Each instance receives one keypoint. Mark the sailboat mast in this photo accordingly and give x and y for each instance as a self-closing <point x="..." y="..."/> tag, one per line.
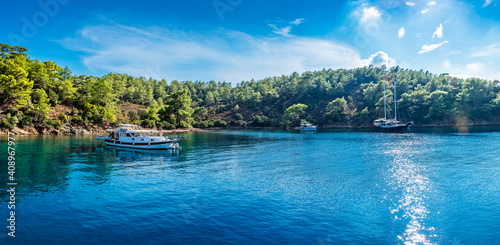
<point x="385" y="104"/>
<point x="395" y="103"/>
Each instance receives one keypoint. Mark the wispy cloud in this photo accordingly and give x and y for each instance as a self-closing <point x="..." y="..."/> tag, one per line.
<point x="297" y="21"/>
<point x="370" y="14"/>
<point x="431" y="3"/>
<point x="439" y="32"/>
<point x="284" y="31"/>
<point x="401" y="32"/>
<point x="487" y="3"/>
<point x="424" y="11"/>
<point x="428" y="48"/>
<point x="218" y="55"/>
<point x="412" y="4"/>
<point x="493" y="49"/>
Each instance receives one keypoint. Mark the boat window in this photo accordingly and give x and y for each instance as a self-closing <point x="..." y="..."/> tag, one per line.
<point x="152" y="140"/>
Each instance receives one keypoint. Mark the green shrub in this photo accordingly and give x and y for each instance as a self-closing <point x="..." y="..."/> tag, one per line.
<point x="53" y="123"/>
<point x="241" y="123"/>
<point x="148" y="123"/>
<point x="133" y="115"/>
<point x="165" y="125"/>
<point x="63" y="117"/>
<point x="97" y="119"/>
<point x="260" y="121"/>
<point x="9" y="121"/>
<point x="238" y="117"/>
<point x="25" y="121"/>
<point x="143" y="113"/>
<point x="12" y="112"/>
<point x="5" y="124"/>
<point x="74" y="112"/>
<point x="77" y="119"/>
<point x="220" y="123"/>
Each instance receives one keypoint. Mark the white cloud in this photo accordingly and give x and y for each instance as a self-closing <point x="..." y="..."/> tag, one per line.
<point x="412" y="4"/>
<point x="492" y="49"/>
<point x="378" y="59"/>
<point x="297" y="21"/>
<point x="219" y="55"/>
<point x="431" y="3"/>
<point x="370" y="14"/>
<point x="401" y="32"/>
<point x="475" y="66"/>
<point x="424" y="11"/>
<point x="477" y="69"/>
<point x="487" y="3"/>
<point x="439" y="32"/>
<point x="284" y="31"/>
<point x="428" y="48"/>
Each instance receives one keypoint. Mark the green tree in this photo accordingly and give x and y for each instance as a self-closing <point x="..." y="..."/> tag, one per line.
<point x="335" y="108"/>
<point x="177" y="110"/>
<point x="153" y="111"/>
<point x="15" y="87"/>
<point x="294" y="113"/>
<point x="209" y="98"/>
<point x="41" y="106"/>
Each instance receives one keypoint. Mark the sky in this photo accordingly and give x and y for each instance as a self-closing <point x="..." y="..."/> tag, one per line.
<point x="240" y="40"/>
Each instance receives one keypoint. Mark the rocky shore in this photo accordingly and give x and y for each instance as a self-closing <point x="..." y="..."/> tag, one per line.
<point x="74" y="129"/>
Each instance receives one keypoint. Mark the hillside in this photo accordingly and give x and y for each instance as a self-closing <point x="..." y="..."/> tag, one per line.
<point x="43" y="95"/>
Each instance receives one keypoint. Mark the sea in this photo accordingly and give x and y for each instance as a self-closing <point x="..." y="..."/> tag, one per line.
<point x="429" y="186"/>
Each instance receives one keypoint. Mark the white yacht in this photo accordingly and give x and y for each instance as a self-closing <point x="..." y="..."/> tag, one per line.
<point x="307" y="127"/>
<point x="130" y="136"/>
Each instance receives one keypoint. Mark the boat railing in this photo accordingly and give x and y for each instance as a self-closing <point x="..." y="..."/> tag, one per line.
<point x="176" y="137"/>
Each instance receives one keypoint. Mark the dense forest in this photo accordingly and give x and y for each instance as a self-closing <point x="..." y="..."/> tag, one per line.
<point x="42" y="94"/>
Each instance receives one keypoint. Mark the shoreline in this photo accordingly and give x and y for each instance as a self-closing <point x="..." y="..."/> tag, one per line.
<point x="75" y="129"/>
<point x="91" y="129"/>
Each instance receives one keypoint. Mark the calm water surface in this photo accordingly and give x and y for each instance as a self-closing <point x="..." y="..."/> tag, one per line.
<point x="259" y="187"/>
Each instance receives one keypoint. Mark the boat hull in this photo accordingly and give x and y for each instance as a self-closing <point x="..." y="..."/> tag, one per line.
<point x="165" y="145"/>
<point x="308" y="130"/>
<point x="393" y="129"/>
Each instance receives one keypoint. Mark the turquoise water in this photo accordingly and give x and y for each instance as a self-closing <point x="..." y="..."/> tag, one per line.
<point x="259" y="187"/>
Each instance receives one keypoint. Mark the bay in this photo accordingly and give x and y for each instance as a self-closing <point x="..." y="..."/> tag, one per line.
<point x="259" y="187"/>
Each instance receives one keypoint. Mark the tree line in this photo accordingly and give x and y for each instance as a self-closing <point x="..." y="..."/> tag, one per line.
<point x="31" y="91"/>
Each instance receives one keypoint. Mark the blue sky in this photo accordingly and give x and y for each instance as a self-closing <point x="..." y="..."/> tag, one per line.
<point x="235" y="40"/>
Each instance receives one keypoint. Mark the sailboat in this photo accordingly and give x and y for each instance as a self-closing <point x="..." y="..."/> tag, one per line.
<point x="391" y="125"/>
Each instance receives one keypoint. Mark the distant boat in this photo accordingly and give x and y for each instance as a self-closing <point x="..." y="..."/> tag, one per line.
<point x="307" y="127"/>
<point x="391" y="125"/>
<point x="130" y="136"/>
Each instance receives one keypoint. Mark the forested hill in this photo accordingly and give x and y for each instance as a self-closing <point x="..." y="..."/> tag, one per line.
<point x="42" y="94"/>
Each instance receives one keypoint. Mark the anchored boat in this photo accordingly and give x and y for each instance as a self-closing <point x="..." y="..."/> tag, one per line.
<point x="307" y="127"/>
<point x="130" y="136"/>
<point x="391" y="125"/>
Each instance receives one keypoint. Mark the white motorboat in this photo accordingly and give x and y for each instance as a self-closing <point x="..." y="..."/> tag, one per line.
<point x="307" y="127"/>
<point x="130" y="136"/>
